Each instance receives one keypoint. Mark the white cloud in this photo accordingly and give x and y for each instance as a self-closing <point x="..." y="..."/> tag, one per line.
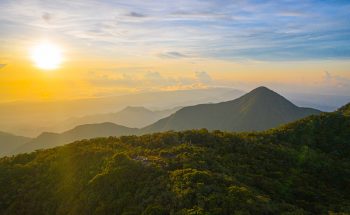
<point x="148" y="81"/>
<point x="173" y="55"/>
<point x="206" y="29"/>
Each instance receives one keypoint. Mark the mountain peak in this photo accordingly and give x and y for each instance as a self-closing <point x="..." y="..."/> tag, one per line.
<point x="263" y="95"/>
<point x="262" y="90"/>
<point x="135" y="108"/>
<point x="259" y="109"/>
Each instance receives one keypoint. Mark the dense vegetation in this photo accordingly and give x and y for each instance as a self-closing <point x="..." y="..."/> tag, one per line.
<point x="300" y="168"/>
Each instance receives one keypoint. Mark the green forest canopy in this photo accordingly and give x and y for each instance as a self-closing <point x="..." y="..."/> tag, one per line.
<point x="300" y="168"/>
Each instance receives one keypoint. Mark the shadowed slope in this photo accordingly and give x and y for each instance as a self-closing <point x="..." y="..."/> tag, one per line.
<point x="49" y="140"/>
<point x="259" y="109"/>
<point x="9" y="142"/>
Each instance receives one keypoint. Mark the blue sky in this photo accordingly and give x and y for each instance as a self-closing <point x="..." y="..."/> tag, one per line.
<point x="117" y="47"/>
<point x="261" y="30"/>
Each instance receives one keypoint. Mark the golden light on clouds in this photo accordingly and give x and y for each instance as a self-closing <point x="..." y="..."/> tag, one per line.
<point x="46" y="55"/>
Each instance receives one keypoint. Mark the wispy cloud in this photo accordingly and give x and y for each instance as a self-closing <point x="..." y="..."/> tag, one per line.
<point x="137" y="15"/>
<point x="150" y="80"/>
<point x="173" y="54"/>
<point x="46" y="17"/>
<point x="2" y="66"/>
<point x="289" y="13"/>
<point x="263" y="30"/>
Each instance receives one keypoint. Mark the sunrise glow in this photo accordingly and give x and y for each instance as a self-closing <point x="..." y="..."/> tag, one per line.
<point x="46" y="56"/>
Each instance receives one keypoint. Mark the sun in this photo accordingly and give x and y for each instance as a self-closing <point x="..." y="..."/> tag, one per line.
<point x="47" y="56"/>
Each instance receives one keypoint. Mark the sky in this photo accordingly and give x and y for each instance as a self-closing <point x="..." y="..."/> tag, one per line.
<point x="118" y="47"/>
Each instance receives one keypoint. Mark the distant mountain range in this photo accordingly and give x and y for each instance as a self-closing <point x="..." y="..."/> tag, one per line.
<point x="49" y="140"/>
<point x="257" y="110"/>
<point x="131" y="116"/>
<point x="31" y="118"/>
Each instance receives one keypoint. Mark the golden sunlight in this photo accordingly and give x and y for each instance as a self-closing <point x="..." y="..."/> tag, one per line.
<point x="46" y="55"/>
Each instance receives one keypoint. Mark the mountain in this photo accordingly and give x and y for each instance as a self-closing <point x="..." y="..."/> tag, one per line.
<point x="9" y="142"/>
<point x="257" y="110"/>
<point x="102" y="125"/>
<point x="137" y="117"/>
<point x="49" y="140"/>
<point x="299" y="168"/>
<point x="131" y="116"/>
<point x="31" y="118"/>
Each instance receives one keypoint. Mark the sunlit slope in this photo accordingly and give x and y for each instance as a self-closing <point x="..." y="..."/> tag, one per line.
<point x="259" y="109"/>
<point x="300" y="168"/>
<point x="345" y="109"/>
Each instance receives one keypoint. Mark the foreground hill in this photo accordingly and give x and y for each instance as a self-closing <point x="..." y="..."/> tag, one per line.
<point x="300" y="168"/>
<point x="345" y="109"/>
<point x="9" y="142"/>
<point x="257" y="110"/>
<point x="49" y="140"/>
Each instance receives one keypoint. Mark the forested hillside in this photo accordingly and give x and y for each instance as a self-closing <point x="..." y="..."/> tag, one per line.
<point x="300" y="168"/>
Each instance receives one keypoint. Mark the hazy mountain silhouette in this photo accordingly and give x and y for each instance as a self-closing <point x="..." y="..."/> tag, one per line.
<point x="31" y="118"/>
<point x="131" y="116"/>
<point x="49" y="140"/>
<point x="9" y="142"/>
<point x="259" y="109"/>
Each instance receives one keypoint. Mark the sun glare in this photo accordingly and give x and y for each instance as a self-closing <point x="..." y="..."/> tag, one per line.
<point x="47" y="56"/>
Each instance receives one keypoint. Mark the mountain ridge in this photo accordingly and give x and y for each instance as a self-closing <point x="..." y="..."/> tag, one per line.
<point x="260" y="109"/>
<point x="87" y="131"/>
<point x="252" y="111"/>
<point x="30" y="118"/>
<point x="9" y="142"/>
<point x="130" y="116"/>
<point x="297" y="168"/>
